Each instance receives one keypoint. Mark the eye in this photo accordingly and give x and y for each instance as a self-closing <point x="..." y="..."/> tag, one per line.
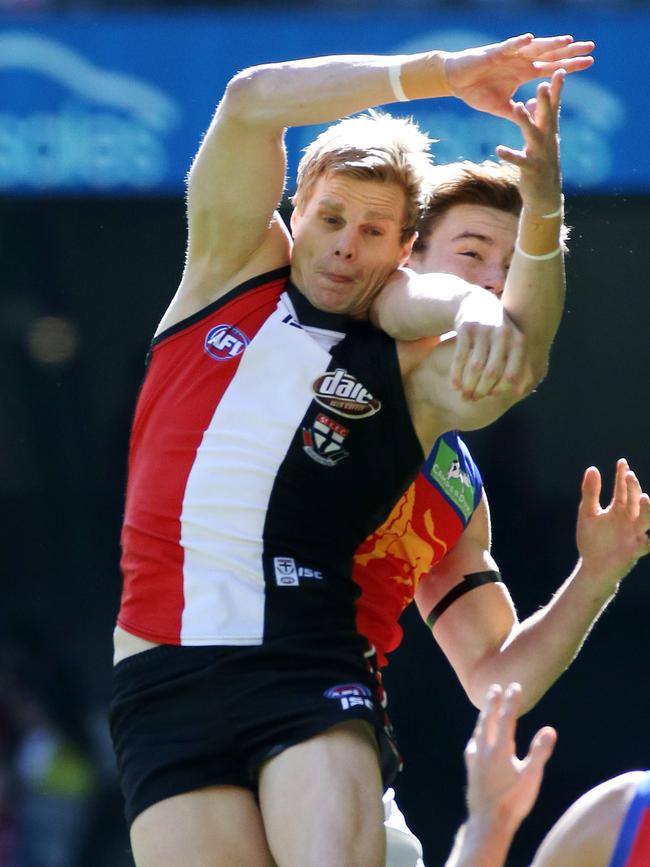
<point x="472" y="254"/>
<point x="374" y="231"/>
<point x="330" y="220"/>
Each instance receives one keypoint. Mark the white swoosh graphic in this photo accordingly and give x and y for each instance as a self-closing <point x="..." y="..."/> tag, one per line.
<point x="116" y="89"/>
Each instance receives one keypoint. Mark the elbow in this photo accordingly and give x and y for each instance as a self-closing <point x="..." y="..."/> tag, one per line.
<point x="246" y="94"/>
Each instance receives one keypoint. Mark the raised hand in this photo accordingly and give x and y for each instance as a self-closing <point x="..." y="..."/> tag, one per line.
<point x="539" y="159"/>
<point x="500" y="787"/>
<point x="611" y="540"/>
<point x="487" y="77"/>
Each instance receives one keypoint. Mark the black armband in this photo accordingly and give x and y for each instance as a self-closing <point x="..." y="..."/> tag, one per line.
<point x="469" y="582"/>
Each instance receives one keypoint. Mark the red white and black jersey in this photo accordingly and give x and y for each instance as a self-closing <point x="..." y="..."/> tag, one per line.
<point x="269" y="440"/>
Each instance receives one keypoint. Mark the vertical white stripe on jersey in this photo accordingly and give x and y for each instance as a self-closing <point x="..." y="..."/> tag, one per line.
<point x="228" y="489"/>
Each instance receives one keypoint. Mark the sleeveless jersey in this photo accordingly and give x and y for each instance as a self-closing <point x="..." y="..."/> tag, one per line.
<point x="269" y="439"/>
<point x="426" y="522"/>
<point x="633" y="844"/>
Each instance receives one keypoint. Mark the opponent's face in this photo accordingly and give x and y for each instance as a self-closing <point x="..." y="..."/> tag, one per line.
<point x="347" y="241"/>
<point x="473" y="242"/>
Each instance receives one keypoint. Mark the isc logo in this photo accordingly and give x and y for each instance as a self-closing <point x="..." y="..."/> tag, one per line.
<point x="288" y="573"/>
<point x="224" y="342"/>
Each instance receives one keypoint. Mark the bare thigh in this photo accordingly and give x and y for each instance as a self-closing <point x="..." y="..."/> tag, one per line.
<point x="321" y="801"/>
<point x="218" y="826"/>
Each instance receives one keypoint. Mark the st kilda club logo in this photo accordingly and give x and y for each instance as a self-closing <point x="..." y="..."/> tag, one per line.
<point x="340" y="392"/>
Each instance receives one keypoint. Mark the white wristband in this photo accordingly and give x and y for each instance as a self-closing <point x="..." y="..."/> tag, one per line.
<point x="558" y="213"/>
<point x="541" y="258"/>
<point x="394" y="73"/>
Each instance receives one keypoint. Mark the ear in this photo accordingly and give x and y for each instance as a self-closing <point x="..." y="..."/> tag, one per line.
<point x="407" y="248"/>
<point x="293" y="219"/>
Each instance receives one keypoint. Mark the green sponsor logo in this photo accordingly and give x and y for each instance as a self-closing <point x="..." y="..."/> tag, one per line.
<point x="453" y="481"/>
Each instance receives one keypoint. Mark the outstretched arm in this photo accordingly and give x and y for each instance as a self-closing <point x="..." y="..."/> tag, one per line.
<point x="493" y="363"/>
<point x="237" y="177"/>
<point x="501" y="789"/>
<point x="480" y="634"/>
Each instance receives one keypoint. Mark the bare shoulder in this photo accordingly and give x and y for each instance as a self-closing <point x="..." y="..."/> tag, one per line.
<point x="589" y="829"/>
<point x="205" y="281"/>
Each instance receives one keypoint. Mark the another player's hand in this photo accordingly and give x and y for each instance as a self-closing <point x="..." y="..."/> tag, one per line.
<point x="489" y="356"/>
<point x="611" y="540"/>
<point x="539" y="160"/>
<point x="500" y="787"/>
<point x="487" y="77"/>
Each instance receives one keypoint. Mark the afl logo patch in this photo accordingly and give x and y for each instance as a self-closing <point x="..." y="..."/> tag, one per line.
<point x="224" y="342"/>
<point x="341" y="392"/>
<point x="345" y="690"/>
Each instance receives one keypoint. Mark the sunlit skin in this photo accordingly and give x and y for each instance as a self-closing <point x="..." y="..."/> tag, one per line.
<point x="474" y="242"/>
<point x="347" y="241"/>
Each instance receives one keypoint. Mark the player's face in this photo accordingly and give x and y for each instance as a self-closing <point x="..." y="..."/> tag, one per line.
<point x="473" y="242"/>
<point x="347" y="241"/>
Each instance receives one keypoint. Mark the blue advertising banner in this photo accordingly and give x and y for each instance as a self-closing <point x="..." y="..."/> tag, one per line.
<point x="117" y="104"/>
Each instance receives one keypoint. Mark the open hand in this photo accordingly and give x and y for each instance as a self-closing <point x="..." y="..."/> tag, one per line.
<point x="487" y="77"/>
<point x="611" y="540"/>
<point x="539" y="159"/>
<point x="500" y="787"/>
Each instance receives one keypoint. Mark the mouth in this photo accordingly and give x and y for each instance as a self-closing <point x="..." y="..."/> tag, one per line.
<point x="337" y="278"/>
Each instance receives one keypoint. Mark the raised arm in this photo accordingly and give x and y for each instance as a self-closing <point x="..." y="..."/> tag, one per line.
<point x="480" y="634"/>
<point x="237" y="178"/>
<point x="501" y="788"/>
<point x="490" y="368"/>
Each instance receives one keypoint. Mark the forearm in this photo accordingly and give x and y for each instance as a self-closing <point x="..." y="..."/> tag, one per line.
<point x="541" y="647"/>
<point x="534" y="291"/>
<point x="322" y="89"/>
<point x="411" y="306"/>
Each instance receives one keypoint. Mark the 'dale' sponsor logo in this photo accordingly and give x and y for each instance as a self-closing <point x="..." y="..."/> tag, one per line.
<point x="341" y="392"/>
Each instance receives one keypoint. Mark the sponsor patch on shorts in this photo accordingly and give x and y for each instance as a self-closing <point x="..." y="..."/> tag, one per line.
<point x="351" y="695"/>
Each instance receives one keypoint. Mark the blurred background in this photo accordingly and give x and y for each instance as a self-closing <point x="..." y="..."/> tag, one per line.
<point x="102" y="105"/>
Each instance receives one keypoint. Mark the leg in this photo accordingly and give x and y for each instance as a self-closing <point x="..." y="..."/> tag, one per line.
<point x="321" y="800"/>
<point x="218" y="826"/>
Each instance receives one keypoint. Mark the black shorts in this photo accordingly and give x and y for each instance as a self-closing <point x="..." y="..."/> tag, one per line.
<point x="187" y="717"/>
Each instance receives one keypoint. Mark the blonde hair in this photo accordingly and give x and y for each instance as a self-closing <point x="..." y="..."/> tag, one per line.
<point x="375" y="147"/>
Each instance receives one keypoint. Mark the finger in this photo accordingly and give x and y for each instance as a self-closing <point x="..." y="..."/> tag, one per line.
<point x="541" y="46"/>
<point x="531" y="107"/>
<point x="643" y="523"/>
<point x="490" y="724"/>
<point x="633" y="495"/>
<point x="557" y="83"/>
<point x="541" y="749"/>
<point x="516" y="158"/>
<point x="516" y="43"/>
<point x="508" y="718"/>
<point x="516" y="366"/>
<point x="459" y="360"/>
<point x="494" y="369"/>
<point x="475" y="364"/>
<point x="545" y="69"/>
<point x="619" y="495"/>
<point x="547" y="51"/>
<point x="591" y="488"/>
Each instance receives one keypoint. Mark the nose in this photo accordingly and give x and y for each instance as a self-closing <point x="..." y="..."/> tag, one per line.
<point x="345" y="244"/>
<point x="494" y="280"/>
